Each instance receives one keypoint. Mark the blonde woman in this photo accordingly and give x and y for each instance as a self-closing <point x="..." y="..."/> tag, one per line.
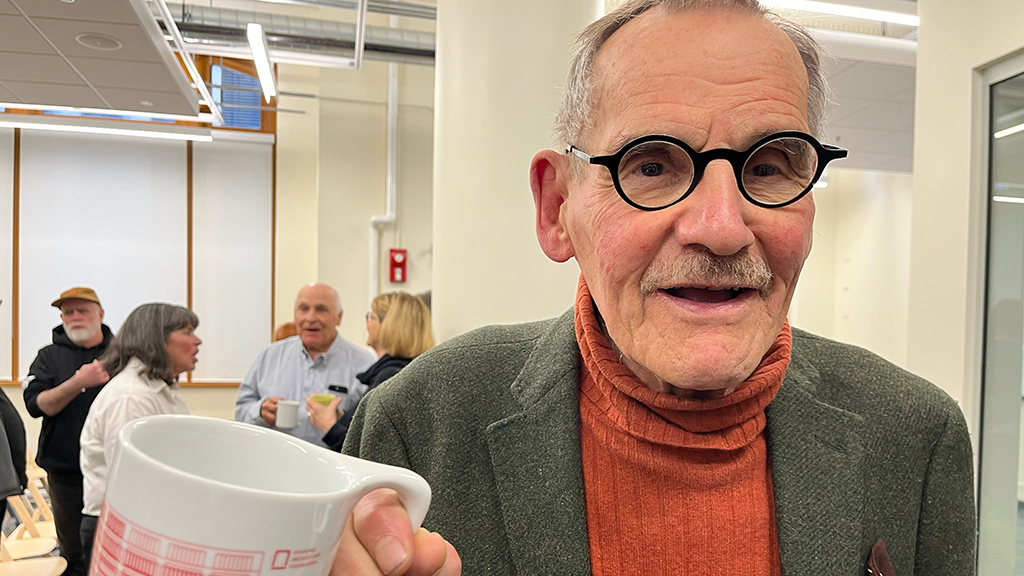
<point x="398" y="325"/>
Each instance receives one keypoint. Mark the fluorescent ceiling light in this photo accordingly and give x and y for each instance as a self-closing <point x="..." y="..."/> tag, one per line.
<point x="1010" y="130"/>
<point x="844" y="10"/>
<point x="113" y="128"/>
<point x="1009" y="199"/>
<point x="261" y="57"/>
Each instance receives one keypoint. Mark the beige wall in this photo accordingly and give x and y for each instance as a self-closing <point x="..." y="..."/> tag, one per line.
<point x="331" y="181"/>
<point x="497" y="90"/>
<point x="854" y="286"/>
<point x="954" y="40"/>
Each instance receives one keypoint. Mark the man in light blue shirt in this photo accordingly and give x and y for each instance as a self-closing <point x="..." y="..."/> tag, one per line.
<point x="316" y="361"/>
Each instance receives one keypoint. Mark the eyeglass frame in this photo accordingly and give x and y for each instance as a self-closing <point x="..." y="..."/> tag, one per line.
<point x="738" y="159"/>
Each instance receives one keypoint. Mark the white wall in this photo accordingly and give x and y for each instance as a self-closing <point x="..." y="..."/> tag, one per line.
<point x="955" y="39"/>
<point x="331" y="181"/>
<point x="101" y="211"/>
<point x="500" y="68"/>
<point x="854" y="287"/>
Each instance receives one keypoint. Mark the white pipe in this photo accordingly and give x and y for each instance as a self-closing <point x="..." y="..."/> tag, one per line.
<point x="391" y="215"/>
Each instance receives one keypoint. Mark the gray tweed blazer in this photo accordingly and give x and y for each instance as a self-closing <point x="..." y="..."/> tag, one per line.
<point x="859" y="449"/>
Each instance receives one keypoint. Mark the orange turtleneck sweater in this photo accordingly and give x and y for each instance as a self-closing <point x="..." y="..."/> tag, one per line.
<point x="675" y="485"/>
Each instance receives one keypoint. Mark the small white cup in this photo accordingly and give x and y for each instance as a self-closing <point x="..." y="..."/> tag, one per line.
<point x="192" y="496"/>
<point x="287" y="414"/>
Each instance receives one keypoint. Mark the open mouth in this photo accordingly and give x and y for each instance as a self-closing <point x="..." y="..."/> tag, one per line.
<point x="707" y="295"/>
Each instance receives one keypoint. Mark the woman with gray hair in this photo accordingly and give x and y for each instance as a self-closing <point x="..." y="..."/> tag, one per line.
<point x="156" y="343"/>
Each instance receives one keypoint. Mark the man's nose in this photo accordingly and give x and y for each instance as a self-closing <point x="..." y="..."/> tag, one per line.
<point x="715" y="214"/>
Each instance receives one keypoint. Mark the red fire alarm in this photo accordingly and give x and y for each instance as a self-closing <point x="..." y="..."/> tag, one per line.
<point x="399" y="259"/>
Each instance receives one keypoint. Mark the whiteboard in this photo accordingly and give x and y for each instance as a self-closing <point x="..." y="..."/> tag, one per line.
<point x="108" y="212"/>
<point x="6" y="248"/>
<point x="232" y="232"/>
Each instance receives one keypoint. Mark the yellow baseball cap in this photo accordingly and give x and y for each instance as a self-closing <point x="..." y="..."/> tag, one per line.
<point x="77" y="293"/>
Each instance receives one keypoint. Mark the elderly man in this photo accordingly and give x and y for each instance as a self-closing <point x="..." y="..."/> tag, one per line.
<point x="316" y="361"/>
<point x="672" y="422"/>
<point x="62" y="383"/>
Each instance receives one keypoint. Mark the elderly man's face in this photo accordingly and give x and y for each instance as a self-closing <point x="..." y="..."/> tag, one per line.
<point x="317" y="316"/>
<point x="714" y="80"/>
<point x="82" y="320"/>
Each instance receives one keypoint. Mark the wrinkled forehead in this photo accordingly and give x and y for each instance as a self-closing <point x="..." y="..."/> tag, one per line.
<point x="700" y="69"/>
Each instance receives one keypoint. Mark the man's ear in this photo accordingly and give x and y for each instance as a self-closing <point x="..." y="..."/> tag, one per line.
<point x="549" y="178"/>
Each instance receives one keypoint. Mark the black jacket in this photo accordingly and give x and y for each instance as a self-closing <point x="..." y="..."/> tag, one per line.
<point x="386" y="367"/>
<point x="54" y="365"/>
<point x="14" y="430"/>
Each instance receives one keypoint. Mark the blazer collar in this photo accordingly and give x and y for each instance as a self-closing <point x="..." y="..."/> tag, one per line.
<point x="817" y="475"/>
<point x="537" y="463"/>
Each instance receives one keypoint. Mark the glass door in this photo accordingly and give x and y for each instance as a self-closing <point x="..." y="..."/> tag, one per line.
<point x="1001" y="473"/>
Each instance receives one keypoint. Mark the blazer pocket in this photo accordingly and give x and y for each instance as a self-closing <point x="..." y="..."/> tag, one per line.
<point x="879" y="563"/>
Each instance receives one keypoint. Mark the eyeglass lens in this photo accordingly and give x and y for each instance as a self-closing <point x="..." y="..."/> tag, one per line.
<point x="655" y="174"/>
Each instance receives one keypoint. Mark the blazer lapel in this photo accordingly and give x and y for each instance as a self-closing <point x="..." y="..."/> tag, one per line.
<point x="817" y="474"/>
<point x="536" y="459"/>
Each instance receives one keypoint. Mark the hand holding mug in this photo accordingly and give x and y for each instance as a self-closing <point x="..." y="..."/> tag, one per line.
<point x="378" y="539"/>
<point x="268" y="410"/>
<point x="323" y="417"/>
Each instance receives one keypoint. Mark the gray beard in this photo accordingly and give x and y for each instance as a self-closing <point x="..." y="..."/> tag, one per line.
<point x="80" y="336"/>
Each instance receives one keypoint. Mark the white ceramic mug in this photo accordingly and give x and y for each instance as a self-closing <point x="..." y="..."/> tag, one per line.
<point x="287" y="414"/>
<point x="192" y="496"/>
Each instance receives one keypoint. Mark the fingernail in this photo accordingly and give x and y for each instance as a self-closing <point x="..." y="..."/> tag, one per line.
<point x="389" y="554"/>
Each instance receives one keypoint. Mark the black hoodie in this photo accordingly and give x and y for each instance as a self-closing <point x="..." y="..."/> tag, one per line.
<point x="54" y="365"/>
<point x="386" y="367"/>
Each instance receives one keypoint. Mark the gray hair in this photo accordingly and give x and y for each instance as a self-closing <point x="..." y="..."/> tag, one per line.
<point x="574" y="113"/>
<point x="144" y="336"/>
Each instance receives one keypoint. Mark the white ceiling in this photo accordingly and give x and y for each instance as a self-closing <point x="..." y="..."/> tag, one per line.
<point x="872" y="114"/>
<point x="42" y="63"/>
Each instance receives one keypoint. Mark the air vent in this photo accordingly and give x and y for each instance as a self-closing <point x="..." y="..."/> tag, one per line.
<point x="97" y="41"/>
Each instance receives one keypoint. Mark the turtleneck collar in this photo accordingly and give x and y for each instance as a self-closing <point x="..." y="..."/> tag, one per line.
<point x="722" y="423"/>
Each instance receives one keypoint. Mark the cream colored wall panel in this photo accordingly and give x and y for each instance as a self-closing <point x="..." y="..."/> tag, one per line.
<point x="101" y="211"/>
<point x="499" y="72"/>
<point x="6" y="247"/>
<point x="232" y="199"/>
<point x="298" y="161"/>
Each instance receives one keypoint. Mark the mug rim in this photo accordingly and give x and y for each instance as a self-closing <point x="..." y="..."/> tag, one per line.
<point x="128" y="429"/>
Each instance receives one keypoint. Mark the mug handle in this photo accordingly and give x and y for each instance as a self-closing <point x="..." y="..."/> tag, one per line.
<point x="413" y="490"/>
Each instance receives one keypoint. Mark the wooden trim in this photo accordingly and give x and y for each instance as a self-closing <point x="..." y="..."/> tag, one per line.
<point x="16" y="256"/>
<point x="10" y="383"/>
<point x="209" y="384"/>
<point x="189" y="155"/>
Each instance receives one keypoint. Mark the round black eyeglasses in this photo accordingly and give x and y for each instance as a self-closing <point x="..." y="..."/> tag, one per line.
<point x="654" y="172"/>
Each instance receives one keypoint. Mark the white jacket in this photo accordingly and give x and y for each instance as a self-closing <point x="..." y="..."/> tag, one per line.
<point x="127" y="396"/>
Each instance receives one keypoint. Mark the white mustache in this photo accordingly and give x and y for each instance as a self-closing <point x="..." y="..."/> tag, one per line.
<point x="704" y="268"/>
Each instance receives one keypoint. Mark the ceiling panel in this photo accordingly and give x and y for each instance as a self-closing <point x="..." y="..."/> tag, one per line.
<point x="844" y="107"/>
<point x="871" y="81"/>
<point x="905" y="97"/>
<point x="124" y="74"/>
<point x="35" y="67"/>
<point x="889" y="116"/>
<point x="119" y="11"/>
<point x="898" y="144"/>
<point x="165" y="102"/>
<point x="19" y="36"/>
<point x="8" y="96"/>
<point x="6" y="8"/>
<point x="135" y="44"/>
<point x="56" y="94"/>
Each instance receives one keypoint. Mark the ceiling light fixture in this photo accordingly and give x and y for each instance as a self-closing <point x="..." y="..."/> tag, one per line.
<point x="261" y="58"/>
<point x="98" y="127"/>
<point x="1008" y="199"/>
<point x="844" y="10"/>
<point x="1009" y="131"/>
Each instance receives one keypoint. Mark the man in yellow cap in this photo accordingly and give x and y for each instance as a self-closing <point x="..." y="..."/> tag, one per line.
<point x="62" y="383"/>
